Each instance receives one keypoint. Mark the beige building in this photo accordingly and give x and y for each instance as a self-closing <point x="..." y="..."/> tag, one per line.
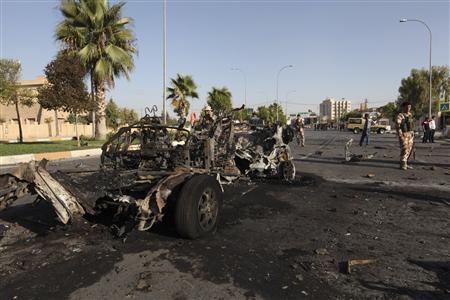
<point x="34" y="114"/>
<point x="332" y="110"/>
<point x="37" y="122"/>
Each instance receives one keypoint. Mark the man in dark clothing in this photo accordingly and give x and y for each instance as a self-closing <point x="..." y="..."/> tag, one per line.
<point x="365" y="135"/>
<point x="426" y="130"/>
<point x="182" y="120"/>
<point x="255" y="121"/>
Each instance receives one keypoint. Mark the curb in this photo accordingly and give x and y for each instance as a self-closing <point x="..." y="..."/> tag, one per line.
<point x="24" y="158"/>
<point x="15" y="141"/>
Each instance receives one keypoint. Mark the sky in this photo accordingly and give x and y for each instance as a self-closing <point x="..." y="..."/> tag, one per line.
<point x="342" y="49"/>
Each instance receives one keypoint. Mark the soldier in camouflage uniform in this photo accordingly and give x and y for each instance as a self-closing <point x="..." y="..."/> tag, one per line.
<point x="206" y="122"/>
<point x="405" y="130"/>
<point x="300" y="126"/>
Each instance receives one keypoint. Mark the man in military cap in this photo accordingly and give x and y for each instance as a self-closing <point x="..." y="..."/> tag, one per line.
<point x="405" y="130"/>
<point x="207" y="120"/>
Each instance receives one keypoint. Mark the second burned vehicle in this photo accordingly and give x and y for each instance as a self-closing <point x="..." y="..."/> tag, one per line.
<point x="148" y="169"/>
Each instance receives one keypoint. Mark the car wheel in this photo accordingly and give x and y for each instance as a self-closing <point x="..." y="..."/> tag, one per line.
<point x="287" y="170"/>
<point x="381" y="131"/>
<point x="356" y="130"/>
<point x="198" y="207"/>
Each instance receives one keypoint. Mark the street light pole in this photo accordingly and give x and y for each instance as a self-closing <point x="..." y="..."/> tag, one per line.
<point x="278" y="79"/>
<point x="430" y="68"/>
<point x="164" y="61"/>
<point x="286" y="99"/>
<point x="245" y="83"/>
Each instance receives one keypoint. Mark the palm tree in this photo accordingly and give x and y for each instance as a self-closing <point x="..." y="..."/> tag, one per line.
<point x="180" y="89"/>
<point x="103" y="41"/>
<point x="220" y="99"/>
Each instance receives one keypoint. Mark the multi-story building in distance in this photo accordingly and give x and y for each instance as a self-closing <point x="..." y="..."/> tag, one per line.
<point x="332" y="110"/>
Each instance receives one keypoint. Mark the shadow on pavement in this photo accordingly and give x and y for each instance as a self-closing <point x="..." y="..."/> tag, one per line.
<point x="38" y="217"/>
<point x="442" y="286"/>
<point x="403" y="193"/>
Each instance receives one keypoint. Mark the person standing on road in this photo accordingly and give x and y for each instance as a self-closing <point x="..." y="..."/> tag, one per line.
<point x="432" y="125"/>
<point x="181" y="123"/>
<point x="426" y="130"/>
<point x="365" y="135"/>
<point x="255" y="121"/>
<point x="207" y="120"/>
<point x="300" y="126"/>
<point x="405" y="131"/>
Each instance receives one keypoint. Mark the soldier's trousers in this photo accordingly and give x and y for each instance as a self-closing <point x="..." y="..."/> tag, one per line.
<point x="406" y="145"/>
<point x="301" y="137"/>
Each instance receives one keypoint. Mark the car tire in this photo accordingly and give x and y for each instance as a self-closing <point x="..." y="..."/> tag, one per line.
<point x="356" y="130"/>
<point x="198" y="207"/>
<point x="287" y="171"/>
<point x="381" y="131"/>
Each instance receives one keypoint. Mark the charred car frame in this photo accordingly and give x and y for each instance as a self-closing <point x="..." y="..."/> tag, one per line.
<point x="148" y="167"/>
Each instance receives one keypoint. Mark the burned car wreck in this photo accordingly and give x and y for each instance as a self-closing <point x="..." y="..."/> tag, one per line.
<point x="148" y="168"/>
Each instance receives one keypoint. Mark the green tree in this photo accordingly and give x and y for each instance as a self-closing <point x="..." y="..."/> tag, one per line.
<point x="389" y="110"/>
<point x="82" y="119"/>
<point x="128" y="116"/>
<point x="220" y="99"/>
<point x="98" y="33"/>
<point x="10" y="91"/>
<point x="415" y="89"/>
<point x="181" y="88"/>
<point x="269" y="114"/>
<point x="116" y="116"/>
<point x="66" y="89"/>
<point x="351" y="114"/>
<point x="242" y="115"/>
<point x="112" y="112"/>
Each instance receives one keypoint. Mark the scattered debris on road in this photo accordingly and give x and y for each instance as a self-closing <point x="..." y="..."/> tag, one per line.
<point x="147" y="166"/>
<point x="347" y="266"/>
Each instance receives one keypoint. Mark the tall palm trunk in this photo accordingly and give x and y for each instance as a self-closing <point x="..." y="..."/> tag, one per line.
<point x="101" y="106"/>
<point x="16" y="102"/>
<point x="94" y="130"/>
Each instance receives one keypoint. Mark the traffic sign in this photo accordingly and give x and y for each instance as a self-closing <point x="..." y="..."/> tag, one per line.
<point x="444" y="106"/>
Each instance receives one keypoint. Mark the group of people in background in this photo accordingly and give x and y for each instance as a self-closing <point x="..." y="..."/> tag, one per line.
<point x="404" y="126"/>
<point x="429" y="128"/>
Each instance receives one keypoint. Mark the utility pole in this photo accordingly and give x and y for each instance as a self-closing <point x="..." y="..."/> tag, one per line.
<point x="278" y="79"/>
<point x="430" y="68"/>
<point x="164" y="61"/>
<point x="245" y="84"/>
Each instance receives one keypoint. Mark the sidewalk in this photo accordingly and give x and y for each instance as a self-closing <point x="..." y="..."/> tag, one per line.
<point x="23" y="158"/>
<point x="50" y="139"/>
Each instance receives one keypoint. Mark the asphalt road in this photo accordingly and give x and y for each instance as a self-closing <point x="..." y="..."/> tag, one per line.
<point x="324" y="156"/>
<point x="275" y="241"/>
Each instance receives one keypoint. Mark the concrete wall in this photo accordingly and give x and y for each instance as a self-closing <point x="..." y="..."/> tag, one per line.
<point x="10" y="131"/>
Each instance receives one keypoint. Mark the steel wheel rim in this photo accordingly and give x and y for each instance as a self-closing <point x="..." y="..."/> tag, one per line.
<point x="207" y="210"/>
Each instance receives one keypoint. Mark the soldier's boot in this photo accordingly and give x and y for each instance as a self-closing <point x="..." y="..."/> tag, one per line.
<point x="403" y="165"/>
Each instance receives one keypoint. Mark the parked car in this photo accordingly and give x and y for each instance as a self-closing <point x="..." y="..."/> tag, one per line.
<point x="357" y="125"/>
